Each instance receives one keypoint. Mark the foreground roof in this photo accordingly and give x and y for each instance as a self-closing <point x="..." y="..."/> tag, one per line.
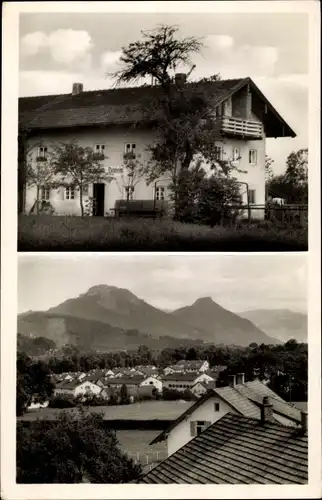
<point x="232" y="397"/>
<point x="256" y="390"/>
<point x="237" y="450"/>
<point x="120" y="106"/>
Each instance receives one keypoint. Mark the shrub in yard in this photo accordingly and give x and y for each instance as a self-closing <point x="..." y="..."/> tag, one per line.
<point x="75" y="448"/>
<point x="62" y="401"/>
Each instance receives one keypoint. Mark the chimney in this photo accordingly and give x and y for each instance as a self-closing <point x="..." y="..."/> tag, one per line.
<point x="180" y="79"/>
<point x="232" y="380"/>
<point x="266" y="411"/>
<point x="304" y="421"/>
<point x="77" y="88"/>
<point x="240" y="378"/>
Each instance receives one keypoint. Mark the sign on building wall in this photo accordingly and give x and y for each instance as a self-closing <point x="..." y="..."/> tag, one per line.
<point x="115" y="170"/>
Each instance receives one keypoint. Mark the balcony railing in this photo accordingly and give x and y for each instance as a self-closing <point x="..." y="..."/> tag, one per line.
<point x="240" y="127"/>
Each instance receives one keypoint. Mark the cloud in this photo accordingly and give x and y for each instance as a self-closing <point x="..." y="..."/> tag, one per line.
<point x="110" y="58"/>
<point x="67" y="46"/>
<point x="33" y="43"/>
<point x="64" y="46"/>
<point x="219" y="42"/>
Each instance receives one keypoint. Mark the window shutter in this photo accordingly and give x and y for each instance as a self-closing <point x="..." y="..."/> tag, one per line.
<point x="207" y="424"/>
<point x="62" y="193"/>
<point x="193" y="430"/>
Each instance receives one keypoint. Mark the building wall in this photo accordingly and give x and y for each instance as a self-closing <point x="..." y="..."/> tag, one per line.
<point x="153" y="382"/>
<point x="181" y="434"/>
<point x="114" y="140"/>
<point x="198" y="389"/>
<point x="87" y="387"/>
<point x="178" y="385"/>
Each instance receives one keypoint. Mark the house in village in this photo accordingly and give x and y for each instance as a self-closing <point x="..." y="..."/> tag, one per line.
<point x="184" y="366"/>
<point x="183" y="381"/>
<point x="200" y="388"/>
<point x="114" y="124"/>
<point x="237" y="449"/>
<point x="74" y="388"/>
<point x="243" y="399"/>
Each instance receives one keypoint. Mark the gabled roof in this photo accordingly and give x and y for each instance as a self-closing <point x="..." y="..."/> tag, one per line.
<point x="118" y="106"/>
<point x="255" y="391"/>
<point x="181" y="377"/>
<point x="237" y="450"/>
<point x="228" y="394"/>
<point x="135" y="380"/>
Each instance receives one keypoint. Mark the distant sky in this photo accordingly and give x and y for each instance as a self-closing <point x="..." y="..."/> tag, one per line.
<point x="59" y="49"/>
<point x="237" y="282"/>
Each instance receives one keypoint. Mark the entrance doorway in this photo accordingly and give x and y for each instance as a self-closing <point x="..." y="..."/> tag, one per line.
<point x="99" y="199"/>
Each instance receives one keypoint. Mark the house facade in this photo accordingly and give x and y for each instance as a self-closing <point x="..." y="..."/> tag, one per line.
<point x="75" y="388"/>
<point x="243" y="398"/>
<point x="111" y="122"/>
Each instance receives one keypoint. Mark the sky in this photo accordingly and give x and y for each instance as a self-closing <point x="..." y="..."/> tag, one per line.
<point x="57" y="49"/>
<point x="236" y="282"/>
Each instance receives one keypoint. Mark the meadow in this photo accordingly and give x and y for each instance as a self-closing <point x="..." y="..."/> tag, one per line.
<point x="147" y="410"/>
<point x="70" y="233"/>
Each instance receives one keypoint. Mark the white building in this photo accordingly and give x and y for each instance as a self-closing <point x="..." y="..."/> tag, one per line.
<point x="76" y="388"/>
<point x="112" y="123"/>
<point x="244" y="399"/>
<point x="156" y="382"/>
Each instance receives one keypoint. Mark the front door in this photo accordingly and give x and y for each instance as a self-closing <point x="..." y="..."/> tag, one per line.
<point x="99" y="199"/>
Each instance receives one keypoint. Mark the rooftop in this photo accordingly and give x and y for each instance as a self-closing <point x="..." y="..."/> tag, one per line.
<point x="120" y="106"/>
<point x="237" y="450"/>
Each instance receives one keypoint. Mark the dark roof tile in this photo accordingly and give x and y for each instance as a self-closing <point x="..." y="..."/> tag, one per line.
<point x="237" y="450"/>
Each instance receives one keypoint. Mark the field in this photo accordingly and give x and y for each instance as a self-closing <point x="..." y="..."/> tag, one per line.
<point x="137" y="445"/>
<point x="68" y="233"/>
<point x="148" y="410"/>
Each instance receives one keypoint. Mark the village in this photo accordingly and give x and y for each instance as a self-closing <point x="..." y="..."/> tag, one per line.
<point x="202" y="408"/>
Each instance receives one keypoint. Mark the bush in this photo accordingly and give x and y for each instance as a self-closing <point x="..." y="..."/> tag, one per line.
<point x="75" y="448"/>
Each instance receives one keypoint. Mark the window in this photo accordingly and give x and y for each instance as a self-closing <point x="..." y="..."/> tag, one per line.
<point x="216" y="406"/>
<point x="252" y="158"/>
<point x="252" y="196"/>
<point x="45" y="193"/>
<point x="42" y="152"/>
<point x="236" y="154"/>
<point x="130" y="148"/>
<point x="198" y="427"/>
<point x="218" y="152"/>
<point x="70" y="193"/>
<point x="159" y="193"/>
<point x="99" y="149"/>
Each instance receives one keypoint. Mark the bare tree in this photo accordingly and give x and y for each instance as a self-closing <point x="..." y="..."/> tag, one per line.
<point x="156" y="55"/>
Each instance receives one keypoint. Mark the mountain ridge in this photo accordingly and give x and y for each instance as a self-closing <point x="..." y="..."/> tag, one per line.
<point x="121" y="311"/>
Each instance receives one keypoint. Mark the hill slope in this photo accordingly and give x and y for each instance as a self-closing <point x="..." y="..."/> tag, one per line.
<point x="280" y="323"/>
<point x="220" y="325"/>
<point x="107" y="317"/>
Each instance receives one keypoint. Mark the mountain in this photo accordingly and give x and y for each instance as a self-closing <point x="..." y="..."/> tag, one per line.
<point x="221" y="326"/>
<point x="280" y="323"/>
<point x="89" y="334"/>
<point x="107" y="317"/>
<point x="121" y="308"/>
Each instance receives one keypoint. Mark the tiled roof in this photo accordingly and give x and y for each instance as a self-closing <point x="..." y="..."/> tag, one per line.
<point x="181" y="377"/>
<point x="237" y="450"/>
<point x="237" y="402"/>
<point x="102" y="107"/>
<point x="136" y="380"/>
<point x="255" y="391"/>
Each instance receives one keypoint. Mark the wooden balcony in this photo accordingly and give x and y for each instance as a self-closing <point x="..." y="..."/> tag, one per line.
<point x="241" y="128"/>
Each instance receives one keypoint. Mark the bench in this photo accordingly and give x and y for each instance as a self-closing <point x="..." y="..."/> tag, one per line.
<point x="140" y="208"/>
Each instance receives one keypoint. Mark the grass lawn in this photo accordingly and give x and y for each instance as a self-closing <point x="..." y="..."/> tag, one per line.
<point x="60" y="233"/>
<point x="137" y="446"/>
<point x="148" y="410"/>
